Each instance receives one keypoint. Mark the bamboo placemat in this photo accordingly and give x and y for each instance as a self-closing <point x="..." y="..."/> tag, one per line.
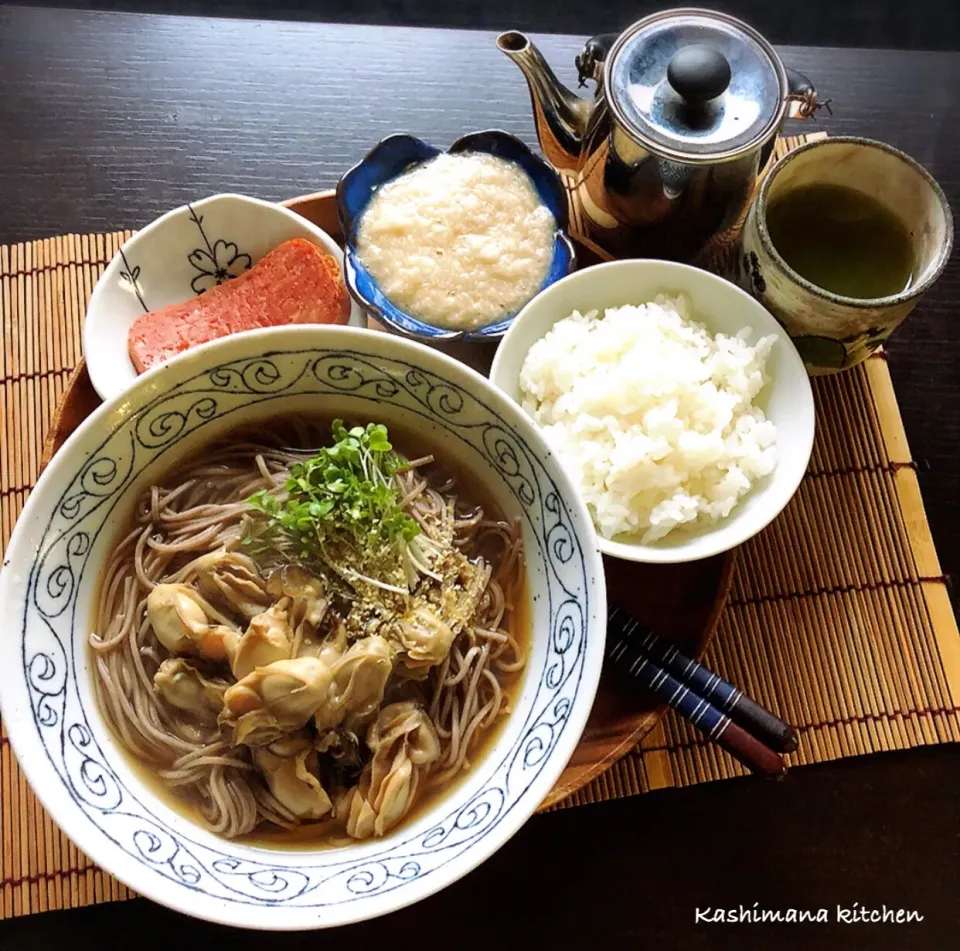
<point x="839" y="617"/>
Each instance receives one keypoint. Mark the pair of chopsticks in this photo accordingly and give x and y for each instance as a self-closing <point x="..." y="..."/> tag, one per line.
<point x="719" y="710"/>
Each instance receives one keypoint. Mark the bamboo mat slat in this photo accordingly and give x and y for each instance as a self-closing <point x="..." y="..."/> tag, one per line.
<point x="44" y="287"/>
<point x="839" y="617"/>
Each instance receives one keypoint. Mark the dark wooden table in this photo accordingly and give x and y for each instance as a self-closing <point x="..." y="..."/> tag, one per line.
<point x="107" y="120"/>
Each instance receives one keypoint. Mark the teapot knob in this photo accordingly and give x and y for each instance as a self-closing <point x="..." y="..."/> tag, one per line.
<point x="698" y="73"/>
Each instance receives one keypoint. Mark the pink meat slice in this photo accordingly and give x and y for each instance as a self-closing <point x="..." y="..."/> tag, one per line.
<point x="295" y="283"/>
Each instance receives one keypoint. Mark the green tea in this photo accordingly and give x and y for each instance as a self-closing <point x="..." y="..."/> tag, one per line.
<point x="842" y="240"/>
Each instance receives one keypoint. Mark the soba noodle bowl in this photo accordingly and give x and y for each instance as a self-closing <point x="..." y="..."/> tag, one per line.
<point x="290" y="636"/>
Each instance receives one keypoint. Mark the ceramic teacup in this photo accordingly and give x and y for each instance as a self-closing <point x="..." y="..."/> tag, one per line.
<point x="833" y="332"/>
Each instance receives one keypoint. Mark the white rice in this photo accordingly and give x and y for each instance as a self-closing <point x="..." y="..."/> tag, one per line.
<point x="652" y="415"/>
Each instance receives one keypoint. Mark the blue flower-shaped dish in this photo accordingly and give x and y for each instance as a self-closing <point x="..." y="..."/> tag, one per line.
<point x="395" y="155"/>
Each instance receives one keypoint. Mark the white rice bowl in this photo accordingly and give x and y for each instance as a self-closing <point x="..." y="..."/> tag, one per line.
<point x="652" y="414"/>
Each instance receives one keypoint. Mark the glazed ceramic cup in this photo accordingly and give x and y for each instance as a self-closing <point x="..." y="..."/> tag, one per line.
<point x="833" y="332"/>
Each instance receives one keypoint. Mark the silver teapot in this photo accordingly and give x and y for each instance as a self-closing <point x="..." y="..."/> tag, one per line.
<point x="666" y="156"/>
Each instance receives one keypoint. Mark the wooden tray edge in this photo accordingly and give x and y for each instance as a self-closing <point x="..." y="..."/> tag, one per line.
<point x="586" y="776"/>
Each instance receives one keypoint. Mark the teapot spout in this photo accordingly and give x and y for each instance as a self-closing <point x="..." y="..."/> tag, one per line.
<point x="561" y="116"/>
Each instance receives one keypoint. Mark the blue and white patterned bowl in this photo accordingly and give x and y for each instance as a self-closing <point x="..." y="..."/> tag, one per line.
<point x="178" y="256"/>
<point x="49" y="583"/>
<point x="395" y="155"/>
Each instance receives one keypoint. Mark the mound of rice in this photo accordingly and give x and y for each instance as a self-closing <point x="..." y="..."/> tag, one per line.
<point x="652" y="415"/>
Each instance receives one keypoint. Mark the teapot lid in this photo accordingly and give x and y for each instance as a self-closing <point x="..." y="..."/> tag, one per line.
<point x="695" y="86"/>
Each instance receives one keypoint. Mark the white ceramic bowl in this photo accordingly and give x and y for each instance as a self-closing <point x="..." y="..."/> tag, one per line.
<point x="50" y="580"/>
<point x="722" y="307"/>
<point x="181" y="254"/>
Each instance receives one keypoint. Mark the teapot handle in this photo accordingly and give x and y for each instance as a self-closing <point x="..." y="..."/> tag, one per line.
<point x="802" y="101"/>
<point x="590" y="59"/>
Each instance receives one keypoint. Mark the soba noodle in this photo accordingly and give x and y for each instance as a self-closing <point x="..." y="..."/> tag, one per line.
<point x="202" y="510"/>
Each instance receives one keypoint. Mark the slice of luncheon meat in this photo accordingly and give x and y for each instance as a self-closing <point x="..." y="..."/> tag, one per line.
<point x="295" y="283"/>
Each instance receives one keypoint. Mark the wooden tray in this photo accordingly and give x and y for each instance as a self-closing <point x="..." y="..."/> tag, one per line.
<point x="683" y="602"/>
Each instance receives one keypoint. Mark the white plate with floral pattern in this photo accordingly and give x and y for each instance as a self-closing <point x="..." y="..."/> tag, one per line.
<point x="49" y="585"/>
<point x="180" y="255"/>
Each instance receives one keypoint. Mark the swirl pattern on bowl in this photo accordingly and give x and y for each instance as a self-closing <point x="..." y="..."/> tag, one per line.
<point x="50" y="638"/>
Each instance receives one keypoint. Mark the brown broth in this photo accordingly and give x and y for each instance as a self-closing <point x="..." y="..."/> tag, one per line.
<point x="325" y="834"/>
<point x="312" y="836"/>
<point x="318" y="835"/>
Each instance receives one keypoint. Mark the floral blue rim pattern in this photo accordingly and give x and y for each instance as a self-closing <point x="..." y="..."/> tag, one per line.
<point x="82" y="513"/>
<point x="394" y="155"/>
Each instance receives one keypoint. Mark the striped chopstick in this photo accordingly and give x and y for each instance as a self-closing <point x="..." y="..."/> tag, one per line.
<point x="626" y="652"/>
<point x="712" y="687"/>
